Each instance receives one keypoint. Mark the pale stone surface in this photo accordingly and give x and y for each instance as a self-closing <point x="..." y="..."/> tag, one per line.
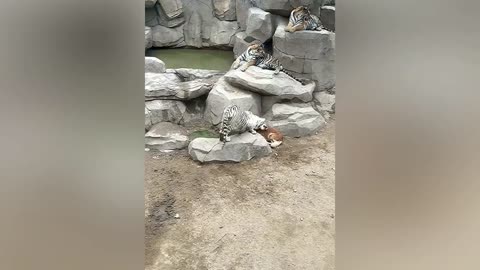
<point x="242" y="147"/>
<point x="168" y="37"/>
<point x="310" y="53"/>
<point x="265" y="82"/>
<point x="154" y="65"/>
<point x="295" y="120"/>
<point x="224" y="94"/>
<point x="259" y="24"/>
<point x="166" y="136"/>
<point x="157" y="111"/>
<point x="225" y="9"/>
<point x="160" y="86"/>
<point x="148" y="37"/>
<point x="222" y="33"/>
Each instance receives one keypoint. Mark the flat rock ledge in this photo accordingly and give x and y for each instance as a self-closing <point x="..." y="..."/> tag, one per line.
<point x="242" y="147"/>
<point x="265" y="82"/>
<point x="166" y="136"/>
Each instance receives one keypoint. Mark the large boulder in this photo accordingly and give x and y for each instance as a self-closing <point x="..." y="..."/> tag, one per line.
<point x="169" y="86"/>
<point x="259" y="24"/>
<point x="166" y="136"/>
<point x="176" y="18"/>
<point x="240" y="44"/>
<point x="224" y="94"/>
<point x="222" y="33"/>
<point x="296" y="119"/>
<point x="193" y="30"/>
<point x="225" y="9"/>
<point x="241" y="147"/>
<point x="327" y="16"/>
<point x="157" y="111"/>
<point x="154" y="65"/>
<point x="148" y="37"/>
<point x="242" y="7"/>
<point x="190" y="74"/>
<point x="311" y="53"/>
<point x="265" y="82"/>
<point x="324" y="101"/>
<point x="168" y="37"/>
<point x="171" y="8"/>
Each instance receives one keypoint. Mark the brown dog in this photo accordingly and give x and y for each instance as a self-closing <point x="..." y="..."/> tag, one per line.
<point x="273" y="136"/>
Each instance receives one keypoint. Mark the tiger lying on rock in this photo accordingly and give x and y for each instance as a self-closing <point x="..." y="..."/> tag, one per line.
<point x="255" y="55"/>
<point x="236" y="121"/>
<point x="301" y="19"/>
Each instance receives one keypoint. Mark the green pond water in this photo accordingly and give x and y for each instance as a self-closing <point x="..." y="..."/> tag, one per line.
<point x="194" y="58"/>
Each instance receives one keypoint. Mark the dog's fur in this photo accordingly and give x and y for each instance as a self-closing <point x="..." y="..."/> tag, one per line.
<point x="273" y="136"/>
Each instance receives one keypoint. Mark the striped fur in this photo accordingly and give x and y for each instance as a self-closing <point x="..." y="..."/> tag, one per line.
<point x="301" y="19"/>
<point x="237" y="121"/>
<point x="255" y="55"/>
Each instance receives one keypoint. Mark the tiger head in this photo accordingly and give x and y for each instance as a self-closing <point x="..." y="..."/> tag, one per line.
<point x="256" y="121"/>
<point x="297" y="17"/>
<point x="256" y="50"/>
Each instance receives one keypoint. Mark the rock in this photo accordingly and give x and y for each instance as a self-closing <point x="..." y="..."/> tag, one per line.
<point x="239" y="43"/>
<point x="222" y="32"/>
<point x="242" y="7"/>
<point x="193" y="30"/>
<point x="327" y="17"/>
<point x="167" y="37"/>
<point x="148" y="37"/>
<point x="224" y="94"/>
<point x="295" y="119"/>
<point x="151" y="17"/>
<point x="150" y="3"/>
<point x="166" y="136"/>
<point x="225" y="9"/>
<point x="189" y="74"/>
<point x="195" y="112"/>
<point x="311" y="53"/>
<point x="241" y="147"/>
<point x="325" y="101"/>
<point x="265" y="82"/>
<point x="169" y="21"/>
<point x="259" y="24"/>
<point x="154" y="65"/>
<point x="169" y="86"/>
<point x="171" y="8"/>
<point x="269" y="101"/>
<point x="157" y="111"/>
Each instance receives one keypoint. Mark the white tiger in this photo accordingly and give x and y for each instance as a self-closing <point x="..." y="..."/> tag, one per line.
<point x="236" y="121"/>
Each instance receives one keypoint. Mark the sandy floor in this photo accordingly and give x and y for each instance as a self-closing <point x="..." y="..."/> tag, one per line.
<point x="273" y="213"/>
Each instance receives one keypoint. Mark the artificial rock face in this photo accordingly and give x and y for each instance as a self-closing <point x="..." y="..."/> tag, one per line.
<point x="295" y="120"/>
<point x="224" y="94"/>
<point x="309" y="54"/>
<point x="242" y="147"/>
<point x="265" y="82"/>
<point x="166" y="136"/>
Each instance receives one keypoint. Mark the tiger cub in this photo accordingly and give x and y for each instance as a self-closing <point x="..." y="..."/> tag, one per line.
<point x="301" y="19"/>
<point x="236" y="121"/>
<point x="255" y="55"/>
<point x="273" y="136"/>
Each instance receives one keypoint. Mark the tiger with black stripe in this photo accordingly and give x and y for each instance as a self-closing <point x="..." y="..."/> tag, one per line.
<point x="237" y="121"/>
<point x="301" y="19"/>
<point x="255" y="55"/>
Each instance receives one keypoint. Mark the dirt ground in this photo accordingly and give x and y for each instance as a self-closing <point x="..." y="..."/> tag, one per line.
<point x="274" y="213"/>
